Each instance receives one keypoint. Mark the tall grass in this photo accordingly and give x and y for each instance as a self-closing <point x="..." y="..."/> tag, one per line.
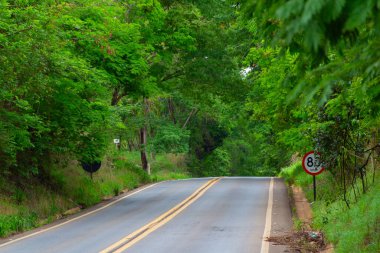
<point x="169" y="167"/>
<point x="66" y="185"/>
<point x="355" y="229"/>
<point x="163" y="166"/>
<point x="351" y="230"/>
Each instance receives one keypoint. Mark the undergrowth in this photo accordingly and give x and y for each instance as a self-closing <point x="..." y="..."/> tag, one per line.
<point x="64" y="185"/>
<point x="354" y="229"/>
<point x="164" y="166"/>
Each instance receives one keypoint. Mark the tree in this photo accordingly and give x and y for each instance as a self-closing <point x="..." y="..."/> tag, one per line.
<point x="51" y="100"/>
<point x="334" y="76"/>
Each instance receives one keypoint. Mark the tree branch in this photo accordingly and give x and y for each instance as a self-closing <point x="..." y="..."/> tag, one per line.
<point x="175" y="74"/>
<point x="193" y="112"/>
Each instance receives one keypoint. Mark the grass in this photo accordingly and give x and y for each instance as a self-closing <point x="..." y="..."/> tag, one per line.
<point x="326" y="184"/>
<point x="355" y="229"/>
<point x="11" y="223"/>
<point x="298" y="225"/>
<point x="164" y="166"/>
<point x="352" y="230"/>
<point x="65" y="186"/>
<point x="169" y="167"/>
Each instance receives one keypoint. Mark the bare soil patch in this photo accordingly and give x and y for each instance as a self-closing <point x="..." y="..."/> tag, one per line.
<point x="306" y="240"/>
<point x="302" y="241"/>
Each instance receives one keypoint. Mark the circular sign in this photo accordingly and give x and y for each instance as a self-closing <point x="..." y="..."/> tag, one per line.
<point x="311" y="163"/>
<point x="91" y="167"/>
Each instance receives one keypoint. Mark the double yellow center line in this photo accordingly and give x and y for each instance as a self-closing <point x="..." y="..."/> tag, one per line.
<point x="141" y="233"/>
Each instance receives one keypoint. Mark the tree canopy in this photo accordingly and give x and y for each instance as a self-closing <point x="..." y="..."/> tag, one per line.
<point x="238" y="86"/>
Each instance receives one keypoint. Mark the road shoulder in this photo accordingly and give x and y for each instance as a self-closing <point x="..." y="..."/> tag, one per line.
<point x="301" y="238"/>
<point x="282" y="223"/>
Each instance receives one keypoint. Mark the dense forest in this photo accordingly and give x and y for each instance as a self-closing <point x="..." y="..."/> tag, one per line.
<point x="160" y="76"/>
<point x="237" y="88"/>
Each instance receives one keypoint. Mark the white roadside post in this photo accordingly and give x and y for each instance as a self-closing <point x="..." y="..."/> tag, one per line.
<point x="117" y="143"/>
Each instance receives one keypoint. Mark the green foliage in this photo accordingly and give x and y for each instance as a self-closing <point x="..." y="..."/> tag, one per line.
<point x="349" y="229"/>
<point x="164" y="166"/>
<point x="34" y="203"/>
<point x="263" y="135"/>
<point x="217" y="164"/>
<point x="294" y="174"/>
<point x="356" y="229"/>
<point x="291" y="173"/>
<point x="320" y="24"/>
<point x="327" y="187"/>
<point x="240" y="86"/>
<point x="241" y="155"/>
<point x="311" y="79"/>
<point x="18" y="223"/>
<point x="66" y="65"/>
<point x="50" y="98"/>
<point x="170" y="139"/>
<point x="169" y="167"/>
<point x="19" y="196"/>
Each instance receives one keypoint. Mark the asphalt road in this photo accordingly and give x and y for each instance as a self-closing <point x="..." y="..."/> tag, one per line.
<point x="197" y="215"/>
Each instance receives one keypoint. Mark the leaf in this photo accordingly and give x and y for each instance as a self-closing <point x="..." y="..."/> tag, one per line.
<point x="313" y="36"/>
<point x="292" y="7"/>
<point x="311" y="9"/>
<point x="360" y="10"/>
<point x="333" y="9"/>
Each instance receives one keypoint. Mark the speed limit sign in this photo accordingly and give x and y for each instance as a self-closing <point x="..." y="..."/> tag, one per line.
<point x="311" y="163"/>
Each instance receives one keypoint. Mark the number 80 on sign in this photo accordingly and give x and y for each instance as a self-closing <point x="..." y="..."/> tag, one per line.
<point x="311" y="163"/>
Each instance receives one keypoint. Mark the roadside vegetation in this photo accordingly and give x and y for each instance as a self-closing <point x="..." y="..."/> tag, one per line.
<point x="315" y="77"/>
<point x="189" y="88"/>
<point x="26" y="205"/>
<point x="354" y="229"/>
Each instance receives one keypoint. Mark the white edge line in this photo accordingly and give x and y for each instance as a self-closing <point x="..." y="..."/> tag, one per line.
<point x="78" y="217"/>
<point x="268" y="220"/>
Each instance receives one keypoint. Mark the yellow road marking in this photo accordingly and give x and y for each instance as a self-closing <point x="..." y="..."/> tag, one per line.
<point x="141" y="233"/>
<point x="268" y="220"/>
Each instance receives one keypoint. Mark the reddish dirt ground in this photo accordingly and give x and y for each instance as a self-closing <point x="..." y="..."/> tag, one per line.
<point x="305" y="240"/>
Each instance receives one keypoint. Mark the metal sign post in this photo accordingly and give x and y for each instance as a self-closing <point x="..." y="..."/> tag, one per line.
<point x="315" y="189"/>
<point x="312" y="165"/>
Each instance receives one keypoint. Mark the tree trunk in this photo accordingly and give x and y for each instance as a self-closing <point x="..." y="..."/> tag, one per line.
<point x="171" y="110"/>
<point x="153" y="153"/>
<point x="374" y="168"/>
<point x="117" y="96"/>
<point x="130" y="145"/>
<point x="144" y="160"/>
<point x="143" y="139"/>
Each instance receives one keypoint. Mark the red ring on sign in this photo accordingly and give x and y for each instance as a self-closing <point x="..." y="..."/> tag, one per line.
<point x="304" y="167"/>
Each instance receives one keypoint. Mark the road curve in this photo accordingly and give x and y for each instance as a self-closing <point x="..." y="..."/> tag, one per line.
<point x="196" y="215"/>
